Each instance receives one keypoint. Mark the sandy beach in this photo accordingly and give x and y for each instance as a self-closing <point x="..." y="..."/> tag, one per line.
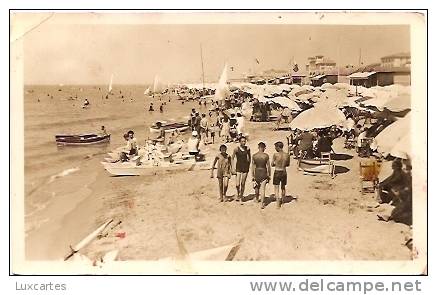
<point x="162" y="215"/>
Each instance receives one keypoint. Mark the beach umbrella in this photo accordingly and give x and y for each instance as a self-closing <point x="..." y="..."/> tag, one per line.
<point x="348" y="124"/>
<point x="320" y="116"/>
<point x="402" y="149"/>
<point x="399" y="103"/>
<point x="326" y="86"/>
<point x="285" y="87"/>
<point x="350" y="102"/>
<point x="341" y="86"/>
<point x="392" y="134"/>
<point x="286" y="102"/>
<point x="308" y="87"/>
<point x="299" y="91"/>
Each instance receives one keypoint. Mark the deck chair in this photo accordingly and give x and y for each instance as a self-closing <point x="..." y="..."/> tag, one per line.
<point x="325" y="156"/>
<point x="369" y="172"/>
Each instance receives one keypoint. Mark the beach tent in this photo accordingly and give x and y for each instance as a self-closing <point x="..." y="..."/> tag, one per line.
<point x="320" y="116"/>
<point x="392" y="134"/>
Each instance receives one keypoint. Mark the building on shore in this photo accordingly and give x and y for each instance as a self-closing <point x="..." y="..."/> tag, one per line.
<point x="393" y="69"/>
<point x="319" y="63"/>
<point x="334" y="75"/>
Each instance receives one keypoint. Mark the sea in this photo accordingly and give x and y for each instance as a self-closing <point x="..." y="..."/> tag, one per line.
<point x="52" y="171"/>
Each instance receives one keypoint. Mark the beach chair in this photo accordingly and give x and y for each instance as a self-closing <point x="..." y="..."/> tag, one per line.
<point x="369" y="176"/>
<point x="325" y="156"/>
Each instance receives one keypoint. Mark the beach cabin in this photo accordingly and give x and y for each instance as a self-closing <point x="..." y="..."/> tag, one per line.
<point x="321" y="79"/>
<point x="366" y="79"/>
<point x="298" y="78"/>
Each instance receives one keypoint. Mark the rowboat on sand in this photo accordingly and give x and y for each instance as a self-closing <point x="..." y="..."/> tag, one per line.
<point x="317" y="166"/>
<point x="81" y="139"/>
<point x="170" y="127"/>
<point x="135" y="168"/>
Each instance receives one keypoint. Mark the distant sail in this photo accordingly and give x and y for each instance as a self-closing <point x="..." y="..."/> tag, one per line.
<point x="157" y="87"/>
<point x="222" y="89"/>
<point x="110" y="84"/>
<point x="147" y="91"/>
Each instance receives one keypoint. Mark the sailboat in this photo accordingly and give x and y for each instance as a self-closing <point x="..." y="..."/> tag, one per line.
<point x="110" y="84"/>
<point x="147" y="91"/>
<point x="157" y="86"/>
<point x="222" y="90"/>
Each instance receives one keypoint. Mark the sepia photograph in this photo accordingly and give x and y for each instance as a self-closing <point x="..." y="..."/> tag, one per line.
<point x="206" y="142"/>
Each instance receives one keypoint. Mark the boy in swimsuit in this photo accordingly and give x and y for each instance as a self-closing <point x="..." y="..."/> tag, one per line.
<point x="281" y="160"/>
<point x="242" y="153"/>
<point x="224" y="166"/>
<point x="261" y="172"/>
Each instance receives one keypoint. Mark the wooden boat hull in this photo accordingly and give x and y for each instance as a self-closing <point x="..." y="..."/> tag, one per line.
<point x="317" y="166"/>
<point x="168" y="128"/>
<point x="82" y="139"/>
<point x="132" y="169"/>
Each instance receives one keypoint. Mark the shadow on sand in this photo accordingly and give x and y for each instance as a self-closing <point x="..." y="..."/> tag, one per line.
<point x="270" y="199"/>
<point x="341" y="169"/>
<point x="341" y="157"/>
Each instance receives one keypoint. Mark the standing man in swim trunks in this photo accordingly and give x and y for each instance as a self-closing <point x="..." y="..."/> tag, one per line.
<point x="281" y="160"/>
<point x="261" y="172"/>
<point x="242" y="153"/>
<point x="224" y="171"/>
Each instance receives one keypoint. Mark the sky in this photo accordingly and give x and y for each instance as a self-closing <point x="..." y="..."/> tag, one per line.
<point x="134" y="54"/>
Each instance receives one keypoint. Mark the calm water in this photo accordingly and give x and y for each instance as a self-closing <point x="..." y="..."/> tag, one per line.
<point x="59" y="111"/>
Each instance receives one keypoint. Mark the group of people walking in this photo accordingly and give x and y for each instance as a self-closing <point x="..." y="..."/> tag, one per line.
<point x="242" y="162"/>
<point x="217" y="123"/>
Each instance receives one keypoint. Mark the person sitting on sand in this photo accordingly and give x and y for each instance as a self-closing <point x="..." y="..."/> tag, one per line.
<point x="324" y="144"/>
<point x="161" y="108"/>
<point x="306" y="144"/>
<point x="242" y="164"/>
<point x="384" y="188"/>
<point x="193" y="144"/>
<point x="281" y="160"/>
<point x="260" y="172"/>
<point x="151" y="107"/>
<point x="224" y="171"/>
